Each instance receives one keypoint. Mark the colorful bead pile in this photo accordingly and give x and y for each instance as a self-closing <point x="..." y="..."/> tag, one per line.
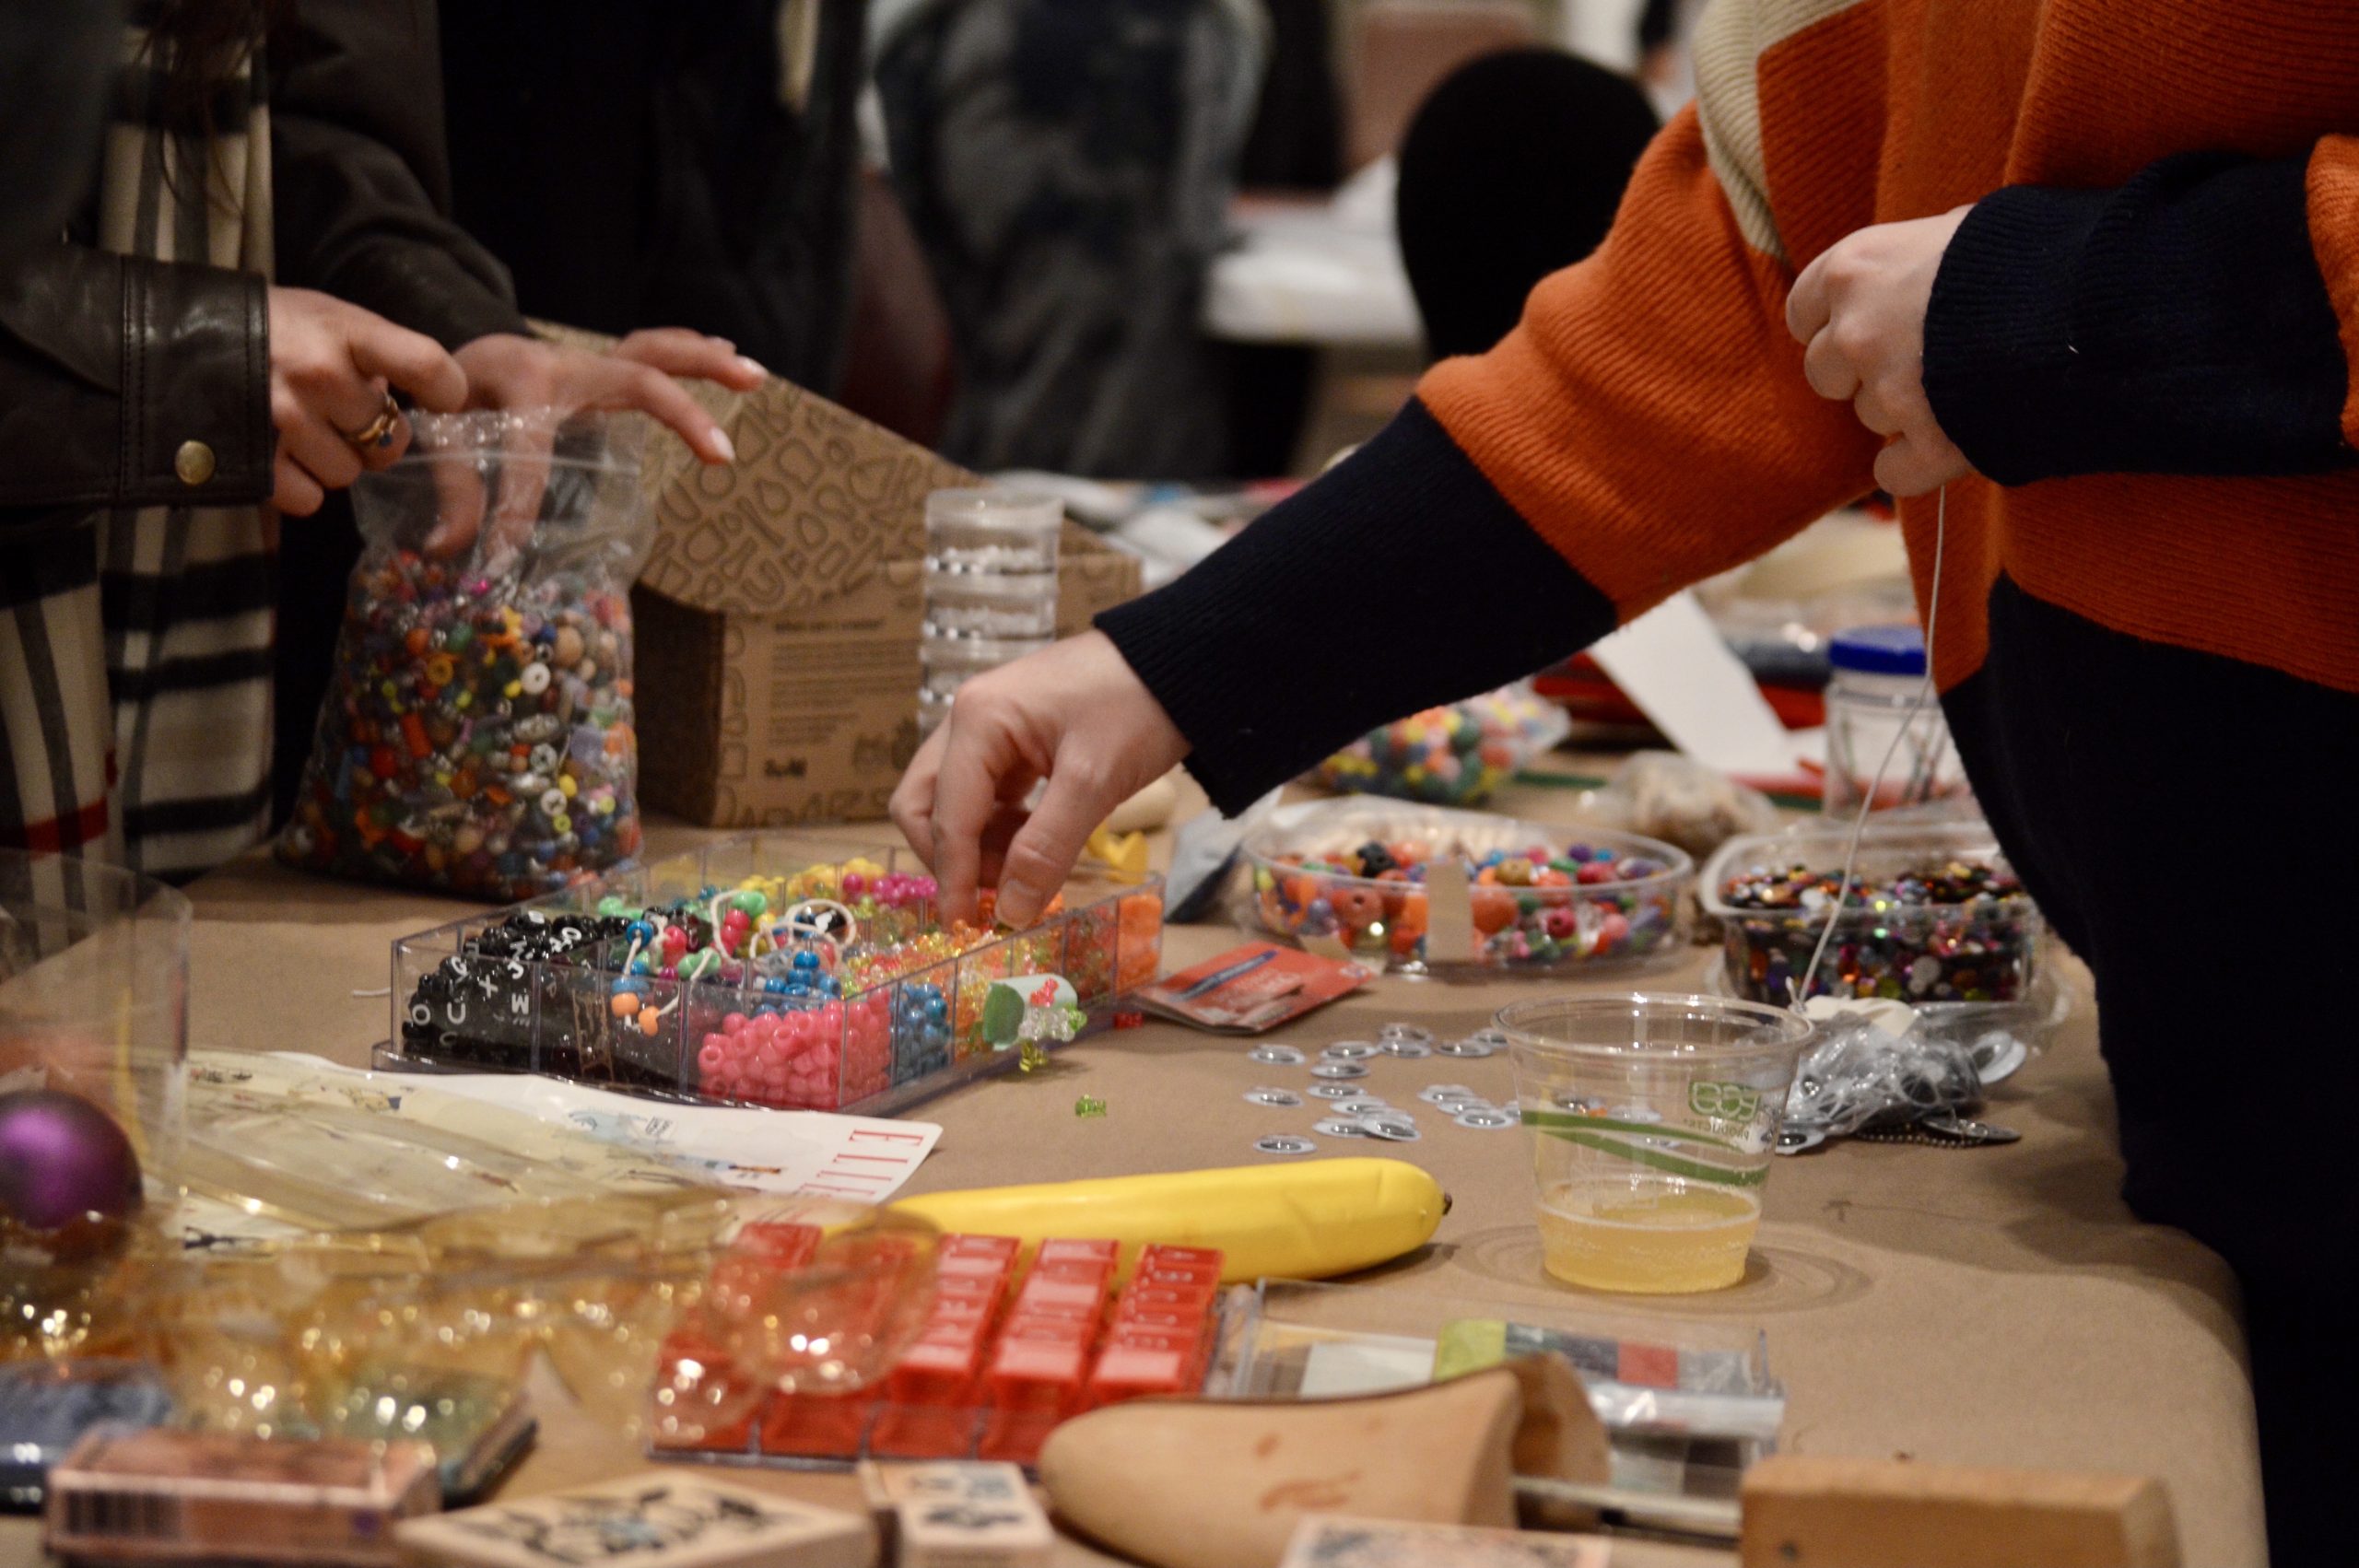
<point x="801" y="1058"/>
<point x="1960" y="931"/>
<point x="477" y="736"/>
<point x="920" y="1031"/>
<point x="1535" y="906"/>
<point x="1453" y="755"/>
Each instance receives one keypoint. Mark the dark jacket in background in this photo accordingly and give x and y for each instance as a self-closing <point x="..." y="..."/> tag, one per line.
<point x="640" y="164"/>
<point x="55" y="57"/>
<point x="107" y="364"/>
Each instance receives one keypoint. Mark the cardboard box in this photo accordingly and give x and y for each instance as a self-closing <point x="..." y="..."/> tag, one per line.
<point x="778" y="614"/>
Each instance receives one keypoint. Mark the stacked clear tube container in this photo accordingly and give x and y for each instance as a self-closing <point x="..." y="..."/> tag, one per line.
<point x="991" y="588"/>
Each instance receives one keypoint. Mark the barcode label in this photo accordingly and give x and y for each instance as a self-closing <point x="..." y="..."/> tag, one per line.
<point x="122" y="1516"/>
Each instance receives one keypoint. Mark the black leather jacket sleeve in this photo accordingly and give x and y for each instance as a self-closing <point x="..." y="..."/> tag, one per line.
<point x="361" y="177"/>
<point x="132" y="383"/>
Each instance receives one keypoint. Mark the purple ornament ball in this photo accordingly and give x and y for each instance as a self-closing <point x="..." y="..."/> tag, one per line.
<point x="62" y="1158"/>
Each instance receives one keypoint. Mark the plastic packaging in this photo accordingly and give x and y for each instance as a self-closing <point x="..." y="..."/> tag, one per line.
<point x="667" y="1316"/>
<point x="477" y="735"/>
<point x="1353" y="875"/>
<point x="1680" y="800"/>
<point x="1685" y="1405"/>
<point x="1006" y="1355"/>
<point x="1859" y="1073"/>
<point x="800" y="977"/>
<point x="1876" y="689"/>
<point x="1452" y="755"/>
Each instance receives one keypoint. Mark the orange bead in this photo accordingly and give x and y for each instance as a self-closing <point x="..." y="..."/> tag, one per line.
<point x="1494" y="912"/>
<point x="1358" y="907"/>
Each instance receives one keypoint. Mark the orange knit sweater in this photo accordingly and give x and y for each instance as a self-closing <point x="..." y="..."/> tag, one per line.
<point x="1650" y="417"/>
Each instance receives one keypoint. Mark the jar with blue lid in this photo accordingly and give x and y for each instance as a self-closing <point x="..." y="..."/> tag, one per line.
<point x="1878" y="676"/>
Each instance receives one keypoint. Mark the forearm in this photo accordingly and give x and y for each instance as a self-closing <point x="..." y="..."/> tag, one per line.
<point x="1647" y="426"/>
<point x="125" y="381"/>
<point x="2180" y="324"/>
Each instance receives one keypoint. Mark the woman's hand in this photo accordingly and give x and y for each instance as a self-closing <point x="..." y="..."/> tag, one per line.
<point x="1073" y="714"/>
<point x="1861" y="308"/>
<point x="331" y="365"/>
<point x="505" y="371"/>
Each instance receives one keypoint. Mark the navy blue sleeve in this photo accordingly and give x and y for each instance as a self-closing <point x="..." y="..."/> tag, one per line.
<point x="1397" y="582"/>
<point x="2176" y="324"/>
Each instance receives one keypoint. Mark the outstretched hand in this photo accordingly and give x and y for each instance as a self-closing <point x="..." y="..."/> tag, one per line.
<point x="1075" y="714"/>
<point x="506" y="371"/>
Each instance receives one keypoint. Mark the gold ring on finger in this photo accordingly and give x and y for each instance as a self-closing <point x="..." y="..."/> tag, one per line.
<point x="379" y="431"/>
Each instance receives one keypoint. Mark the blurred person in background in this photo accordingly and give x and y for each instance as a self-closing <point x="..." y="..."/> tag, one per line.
<point x="213" y="344"/>
<point x="1512" y="169"/>
<point x="635" y="163"/>
<point x="1067" y="167"/>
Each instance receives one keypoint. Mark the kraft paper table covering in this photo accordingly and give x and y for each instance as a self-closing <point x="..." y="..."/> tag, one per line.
<point x="1995" y="1307"/>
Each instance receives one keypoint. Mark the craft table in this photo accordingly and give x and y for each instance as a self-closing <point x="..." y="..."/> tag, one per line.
<point x="1998" y="1305"/>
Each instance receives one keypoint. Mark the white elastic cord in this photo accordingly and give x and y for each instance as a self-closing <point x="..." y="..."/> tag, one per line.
<point x="1924" y="697"/>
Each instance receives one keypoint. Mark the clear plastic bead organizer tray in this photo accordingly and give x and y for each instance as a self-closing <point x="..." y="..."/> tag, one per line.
<point x="765" y="969"/>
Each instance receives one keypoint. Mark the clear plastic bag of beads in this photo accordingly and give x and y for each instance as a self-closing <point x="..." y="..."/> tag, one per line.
<point x="478" y="733"/>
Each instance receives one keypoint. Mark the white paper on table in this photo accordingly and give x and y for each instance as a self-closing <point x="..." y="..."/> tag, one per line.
<point x="1673" y="664"/>
<point x="1366" y="1364"/>
<point x="743" y="1146"/>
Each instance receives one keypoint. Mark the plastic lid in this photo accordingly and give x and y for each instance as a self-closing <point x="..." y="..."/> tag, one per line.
<point x="1879" y="650"/>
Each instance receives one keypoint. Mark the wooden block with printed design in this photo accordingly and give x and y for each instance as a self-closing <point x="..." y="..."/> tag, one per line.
<point x="663" y="1519"/>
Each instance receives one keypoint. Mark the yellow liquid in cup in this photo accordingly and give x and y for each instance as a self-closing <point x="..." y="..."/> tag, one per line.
<point x="1648" y="1234"/>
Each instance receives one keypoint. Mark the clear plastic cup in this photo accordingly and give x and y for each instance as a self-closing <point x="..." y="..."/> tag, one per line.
<point x="1651" y="1120"/>
<point x="93" y="1054"/>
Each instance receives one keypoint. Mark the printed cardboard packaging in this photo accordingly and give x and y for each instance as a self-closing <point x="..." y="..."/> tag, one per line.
<point x="778" y="612"/>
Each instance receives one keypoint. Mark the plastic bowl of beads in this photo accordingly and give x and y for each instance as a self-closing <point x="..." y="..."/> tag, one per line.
<point x="1934" y="916"/>
<point x="1543" y="898"/>
<point x="1454" y="755"/>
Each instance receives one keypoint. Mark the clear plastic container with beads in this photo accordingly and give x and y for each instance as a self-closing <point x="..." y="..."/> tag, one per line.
<point x="949" y="663"/>
<point x="764" y="970"/>
<point x="1934" y="919"/>
<point x="1358" y="877"/>
<point x="986" y="604"/>
<point x="993" y="531"/>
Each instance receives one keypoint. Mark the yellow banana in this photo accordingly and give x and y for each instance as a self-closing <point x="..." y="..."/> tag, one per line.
<point x="1297" y="1222"/>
